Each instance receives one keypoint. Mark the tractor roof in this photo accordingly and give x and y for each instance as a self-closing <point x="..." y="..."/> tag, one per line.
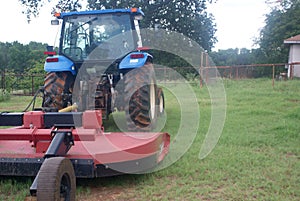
<point x="134" y="11"/>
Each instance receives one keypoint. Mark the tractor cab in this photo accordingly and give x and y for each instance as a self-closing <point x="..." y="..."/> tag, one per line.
<point x="96" y="35"/>
<point x="110" y="32"/>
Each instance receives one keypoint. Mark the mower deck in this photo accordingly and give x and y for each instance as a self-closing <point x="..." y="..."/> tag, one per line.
<point x="109" y="153"/>
<point x="92" y="152"/>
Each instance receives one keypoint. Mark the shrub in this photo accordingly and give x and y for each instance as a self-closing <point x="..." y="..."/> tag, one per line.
<point x="4" y="95"/>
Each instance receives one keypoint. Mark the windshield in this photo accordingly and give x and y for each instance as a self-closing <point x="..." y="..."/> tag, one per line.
<point x="106" y="36"/>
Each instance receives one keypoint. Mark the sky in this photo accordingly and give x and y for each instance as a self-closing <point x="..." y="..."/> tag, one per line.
<point x="238" y="23"/>
<point x="14" y="25"/>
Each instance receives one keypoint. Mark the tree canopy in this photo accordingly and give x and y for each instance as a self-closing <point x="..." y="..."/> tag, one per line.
<point x="281" y="23"/>
<point x="17" y="57"/>
<point x="188" y="17"/>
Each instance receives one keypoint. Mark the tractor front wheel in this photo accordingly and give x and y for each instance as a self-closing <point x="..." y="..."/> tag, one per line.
<point x="56" y="180"/>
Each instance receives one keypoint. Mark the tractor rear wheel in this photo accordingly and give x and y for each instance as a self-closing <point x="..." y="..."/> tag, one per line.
<point x="141" y="99"/>
<point x="58" y="89"/>
<point x="56" y="180"/>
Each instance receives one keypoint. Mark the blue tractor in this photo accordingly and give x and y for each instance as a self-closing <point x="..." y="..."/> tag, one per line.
<point x="101" y="65"/>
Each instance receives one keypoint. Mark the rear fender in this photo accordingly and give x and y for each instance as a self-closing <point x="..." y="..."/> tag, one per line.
<point x="59" y="63"/>
<point x="135" y="60"/>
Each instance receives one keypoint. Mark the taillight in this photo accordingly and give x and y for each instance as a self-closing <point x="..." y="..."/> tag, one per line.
<point x="49" y="60"/>
<point x="137" y="56"/>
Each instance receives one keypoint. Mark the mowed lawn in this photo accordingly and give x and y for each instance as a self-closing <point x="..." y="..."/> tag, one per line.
<point x="257" y="156"/>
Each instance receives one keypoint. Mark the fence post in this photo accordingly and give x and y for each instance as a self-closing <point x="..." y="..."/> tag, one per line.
<point x="2" y="85"/>
<point x="292" y="71"/>
<point x="165" y="75"/>
<point x="3" y="80"/>
<point x="32" y="85"/>
<point x="273" y="79"/>
<point x="201" y="70"/>
<point x="206" y="66"/>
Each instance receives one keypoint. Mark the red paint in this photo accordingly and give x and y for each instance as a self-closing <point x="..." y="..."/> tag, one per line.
<point x="143" y="48"/>
<point x="50" y="53"/>
<point x="33" y="119"/>
<point x="49" y="60"/>
<point x="92" y="119"/>
<point x="91" y="142"/>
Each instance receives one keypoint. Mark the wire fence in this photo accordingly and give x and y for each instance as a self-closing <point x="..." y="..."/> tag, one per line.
<point x="211" y="73"/>
<point x="28" y="84"/>
<point x="20" y="83"/>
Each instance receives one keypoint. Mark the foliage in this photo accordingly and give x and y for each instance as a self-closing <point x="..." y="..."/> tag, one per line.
<point x="188" y="17"/>
<point x="4" y="55"/>
<point x="18" y="61"/>
<point x="235" y="57"/>
<point x="18" y="57"/>
<point x="4" y="95"/>
<point x="232" y="57"/>
<point x="281" y="23"/>
<point x="32" y="7"/>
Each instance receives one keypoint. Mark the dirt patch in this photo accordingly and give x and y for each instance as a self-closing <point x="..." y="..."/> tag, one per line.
<point x="294" y="100"/>
<point x="97" y="194"/>
<point x="291" y="155"/>
<point x="104" y="193"/>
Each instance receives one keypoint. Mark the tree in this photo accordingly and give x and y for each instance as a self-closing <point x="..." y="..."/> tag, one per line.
<point x="4" y="48"/>
<point x="32" y="7"/>
<point x="232" y="57"/>
<point x="281" y="23"/>
<point x="188" y="17"/>
<point x="18" y="57"/>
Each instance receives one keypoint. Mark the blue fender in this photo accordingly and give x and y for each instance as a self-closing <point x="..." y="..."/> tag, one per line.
<point x="134" y="60"/>
<point x="59" y="63"/>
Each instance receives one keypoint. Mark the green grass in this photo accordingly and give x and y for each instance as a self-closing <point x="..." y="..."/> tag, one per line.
<point x="4" y="96"/>
<point x="256" y="158"/>
<point x="17" y="103"/>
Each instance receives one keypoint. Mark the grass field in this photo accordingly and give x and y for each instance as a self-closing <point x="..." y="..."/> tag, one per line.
<point x="256" y="158"/>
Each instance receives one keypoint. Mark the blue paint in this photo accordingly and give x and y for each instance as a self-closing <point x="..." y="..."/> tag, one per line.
<point x="63" y="64"/>
<point x="128" y="62"/>
<point x="97" y="12"/>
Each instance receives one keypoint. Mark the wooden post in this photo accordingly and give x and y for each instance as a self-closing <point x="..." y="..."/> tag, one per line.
<point x="273" y="80"/>
<point x="32" y="85"/>
<point x="2" y="80"/>
<point x="165" y="75"/>
<point x="201" y="70"/>
<point x="207" y="69"/>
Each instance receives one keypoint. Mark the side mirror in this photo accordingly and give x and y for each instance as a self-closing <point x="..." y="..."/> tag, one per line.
<point x="54" y="22"/>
